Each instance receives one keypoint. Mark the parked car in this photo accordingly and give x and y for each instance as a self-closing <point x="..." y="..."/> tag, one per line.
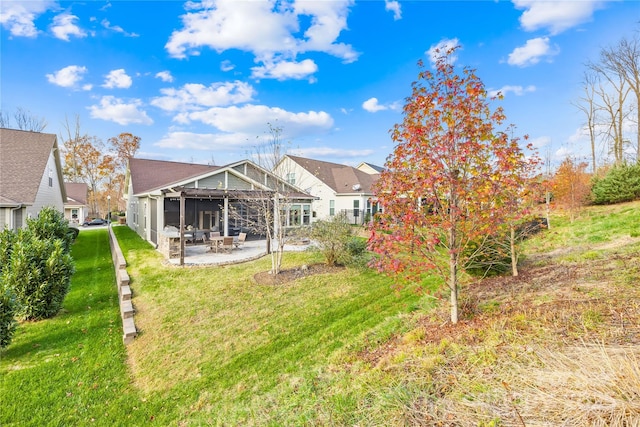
<point x="95" y="221"/>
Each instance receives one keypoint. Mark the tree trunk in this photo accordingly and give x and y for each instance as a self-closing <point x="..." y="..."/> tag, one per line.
<point x="514" y="255"/>
<point x="453" y="286"/>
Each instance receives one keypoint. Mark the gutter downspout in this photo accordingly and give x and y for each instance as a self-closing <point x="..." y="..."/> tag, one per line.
<point x="11" y="217"/>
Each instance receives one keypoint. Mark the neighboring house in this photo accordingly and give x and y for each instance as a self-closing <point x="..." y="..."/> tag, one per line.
<point x="76" y="208"/>
<point x="161" y="194"/>
<point x="369" y="168"/>
<point x="30" y="176"/>
<point x="339" y="188"/>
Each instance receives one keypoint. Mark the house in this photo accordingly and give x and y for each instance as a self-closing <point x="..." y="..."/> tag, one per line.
<point x="339" y="188"/>
<point x="76" y="208"/>
<point x="30" y="176"/>
<point x="164" y="196"/>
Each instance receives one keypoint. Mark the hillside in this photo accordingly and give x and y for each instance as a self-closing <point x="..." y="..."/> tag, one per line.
<point x="557" y="345"/>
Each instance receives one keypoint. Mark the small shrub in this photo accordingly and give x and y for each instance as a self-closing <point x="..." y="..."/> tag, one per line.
<point x="40" y="273"/>
<point x="51" y="224"/>
<point x="333" y="237"/>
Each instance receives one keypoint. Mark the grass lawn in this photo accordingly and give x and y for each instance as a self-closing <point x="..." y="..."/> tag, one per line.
<point x="558" y="345"/>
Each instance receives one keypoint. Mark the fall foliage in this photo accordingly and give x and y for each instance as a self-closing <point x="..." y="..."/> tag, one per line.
<point x="451" y="181"/>
<point x="571" y="186"/>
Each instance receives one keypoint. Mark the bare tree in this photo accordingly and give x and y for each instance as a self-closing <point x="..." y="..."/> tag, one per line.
<point x="24" y="120"/>
<point x="587" y="105"/>
<point x="274" y="208"/>
<point x="623" y="60"/>
<point x="612" y="96"/>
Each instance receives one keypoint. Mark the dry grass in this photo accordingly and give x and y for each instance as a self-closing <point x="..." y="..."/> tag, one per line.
<point x="557" y="346"/>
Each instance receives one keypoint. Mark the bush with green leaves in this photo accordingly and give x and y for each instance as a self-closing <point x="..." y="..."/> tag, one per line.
<point x="51" y="224"/>
<point x="8" y="301"/>
<point x="332" y="237"/>
<point x="39" y="271"/>
<point x="8" y="324"/>
<point x="620" y="184"/>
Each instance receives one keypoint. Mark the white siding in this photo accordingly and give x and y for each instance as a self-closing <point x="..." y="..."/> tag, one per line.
<point x="48" y="195"/>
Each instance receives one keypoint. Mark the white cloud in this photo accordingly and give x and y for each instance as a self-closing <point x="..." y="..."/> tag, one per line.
<point x="64" y="26"/>
<point x="165" y="76"/>
<point x="532" y="52"/>
<point x="440" y="49"/>
<point x="118" y="29"/>
<point x="116" y="110"/>
<point x="556" y="16"/>
<point x="516" y="90"/>
<point x="285" y="70"/>
<point x="393" y="6"/>
<point x="372" y="105"/>
<point x="19" y="16"/>
<point x="196" y="96"/>
<point x="315" y="152"/>
<point x="203" y="141"/>
<point x="225" y="24"/>
<point x="68" y="76"/>
<point x="227" y="65"/>
<point x="252" y="120"/>
<point x="117" y="79"/>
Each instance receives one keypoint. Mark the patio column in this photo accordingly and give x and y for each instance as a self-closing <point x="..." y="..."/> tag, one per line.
<point x="226" y="215"/>
<point x="181" y="228"/>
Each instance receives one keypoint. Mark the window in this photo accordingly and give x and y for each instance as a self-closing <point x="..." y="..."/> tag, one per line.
<point x="291" y="178"/>
<point x="356" y="208"/>
<point x="332" y="207"/>
<point x="74" y="213"/>
<point x="50" y="178"/>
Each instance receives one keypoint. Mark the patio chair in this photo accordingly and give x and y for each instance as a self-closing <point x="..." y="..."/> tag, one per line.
<point x="227" y="244"/>
<point x="241" y="238"/>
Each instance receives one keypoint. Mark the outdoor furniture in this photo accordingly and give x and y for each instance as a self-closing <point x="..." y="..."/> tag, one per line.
<point x="214" y="242"/>
<point x="227" y="244"/>
<point x="240" y="241"/>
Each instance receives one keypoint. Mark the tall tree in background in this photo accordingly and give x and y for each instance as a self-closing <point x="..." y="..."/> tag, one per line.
<point x="124" y="147"/>
<point x="447" y="183"/>
<point x="587" y="104"/>
<point x="571" y="186"/>
<point x="623" y="60"/>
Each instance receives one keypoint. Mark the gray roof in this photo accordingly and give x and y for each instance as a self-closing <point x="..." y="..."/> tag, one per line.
<point x="148" y="175"/>
<point x="342" y="179"/>
<point x="76" y="192"/>
<point x="23" y="158"/>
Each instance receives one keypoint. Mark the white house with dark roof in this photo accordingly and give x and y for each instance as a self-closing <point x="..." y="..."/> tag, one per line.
<point x="76" y="208"/>
<point x="339" y="188"/>
<point x="162" y="194"/>
<point x="30" y="176"/>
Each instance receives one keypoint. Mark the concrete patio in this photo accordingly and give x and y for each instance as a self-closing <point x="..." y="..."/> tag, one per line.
<point x="250" y="250"/>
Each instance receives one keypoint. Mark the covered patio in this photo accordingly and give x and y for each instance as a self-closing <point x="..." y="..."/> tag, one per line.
<point x="199" y="255"/>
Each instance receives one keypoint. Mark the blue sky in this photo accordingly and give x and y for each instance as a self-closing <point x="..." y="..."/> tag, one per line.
<point x="201" y="81"/>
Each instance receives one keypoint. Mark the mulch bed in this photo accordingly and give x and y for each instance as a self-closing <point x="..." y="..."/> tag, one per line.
<point x="285" y="276"/>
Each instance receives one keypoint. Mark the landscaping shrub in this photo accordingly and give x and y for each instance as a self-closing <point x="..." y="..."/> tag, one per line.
<point x="332" y="237"/>
<point x="357" y="251"/>
<point x="620" y="184"/>
<point x="39" y="271"/>
<point x="51" y="224"/>
<point x="8" y="305"/>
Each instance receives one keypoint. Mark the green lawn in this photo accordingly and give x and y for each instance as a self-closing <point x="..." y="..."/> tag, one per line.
<point x="343" y="349"/>
<point x="215" y="347"/>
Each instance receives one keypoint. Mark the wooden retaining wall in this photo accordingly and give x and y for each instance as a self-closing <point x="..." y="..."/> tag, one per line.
<point x="124" y="290"/>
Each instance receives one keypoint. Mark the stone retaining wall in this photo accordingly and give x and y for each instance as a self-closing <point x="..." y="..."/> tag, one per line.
<point x="124" y="290"/>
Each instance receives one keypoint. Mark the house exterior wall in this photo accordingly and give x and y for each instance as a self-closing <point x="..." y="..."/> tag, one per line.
<point x="314" y="186"/>
<point x="49" y="191"/>
<point x="309" y="183"/>
<point x="68" y="213"/>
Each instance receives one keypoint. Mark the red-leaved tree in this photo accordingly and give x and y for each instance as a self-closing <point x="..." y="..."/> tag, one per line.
<point x="450" y="181"/>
